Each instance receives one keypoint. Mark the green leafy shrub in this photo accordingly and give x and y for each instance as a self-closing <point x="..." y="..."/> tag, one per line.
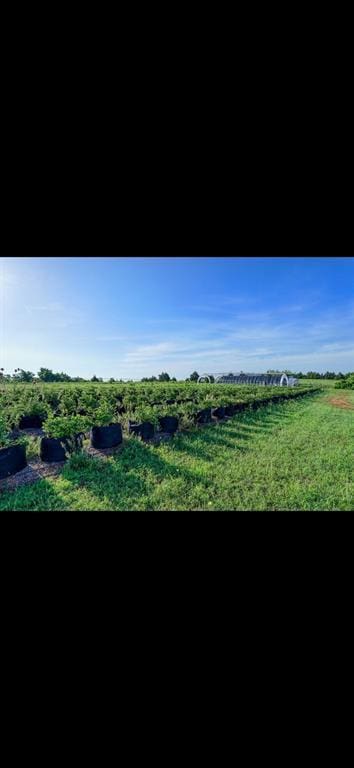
<point x="4" y="431"/>
<point x="36" y="408"/>
<point x="6" y="439"/>
<point x="168" y="410"/>
<point x="104" y="415"/>
<point x="347" y="383"/>
<point x="65" y="426"/>
<point x="145" y="413"/>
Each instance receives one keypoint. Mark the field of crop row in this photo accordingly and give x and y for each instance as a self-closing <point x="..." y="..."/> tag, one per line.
<point x="64" y="409"/>
<point x="64" y="417"/>
<point x="293" y="455"/>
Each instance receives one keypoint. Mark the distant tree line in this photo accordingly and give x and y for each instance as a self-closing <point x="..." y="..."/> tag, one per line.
<point x="44" y="375"/>
<point x="47" y="376"/>
<point x="315" y="375"/>
<point x="162" y="377"/>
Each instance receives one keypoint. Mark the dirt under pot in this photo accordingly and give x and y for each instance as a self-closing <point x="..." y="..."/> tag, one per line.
<point x="106" y="437"/>
<point x="12" y="460"/>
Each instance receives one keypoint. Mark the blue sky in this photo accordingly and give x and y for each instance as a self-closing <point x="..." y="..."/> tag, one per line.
<point x="133" y="317"/>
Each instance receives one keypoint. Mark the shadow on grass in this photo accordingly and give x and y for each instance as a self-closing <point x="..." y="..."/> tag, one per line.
<point x="206" y="447"/>
<point x="127" y="480"/>
<point x="124" y="480"/>
<point x="236" y="434"/>
<point x="39" y="497"/>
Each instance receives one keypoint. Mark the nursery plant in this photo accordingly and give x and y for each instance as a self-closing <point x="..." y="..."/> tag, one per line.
<point x="12" y="451"/>
<point x="145" y="413"/>
<point x="64" y="437"/>
<point x="103" y="416"/>
<point x="5" y="440"/>
<point x="65" y="426"/>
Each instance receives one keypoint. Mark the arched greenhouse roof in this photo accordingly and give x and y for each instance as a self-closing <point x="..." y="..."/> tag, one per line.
<point x="265" y="379"/>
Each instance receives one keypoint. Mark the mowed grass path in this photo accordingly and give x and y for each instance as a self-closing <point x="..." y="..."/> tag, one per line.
<point x="291" y="456"/>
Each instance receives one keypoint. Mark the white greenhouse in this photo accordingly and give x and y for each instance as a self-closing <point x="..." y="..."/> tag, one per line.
<point x="261" y="379"/>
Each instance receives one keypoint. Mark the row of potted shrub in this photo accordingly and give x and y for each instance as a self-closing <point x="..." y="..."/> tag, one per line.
<point x="64" y="435"/>
<point x="30" y="405"/>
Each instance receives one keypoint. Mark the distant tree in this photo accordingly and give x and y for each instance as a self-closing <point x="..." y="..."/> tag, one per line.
<point x="164" y="377"/>
<point x="194" y="376"/>
<point x="173" y="378"/>
<point x="21" y="375"/>
<point x="112" y="380"/>
<point x="94" y="378"/>
<point x="212" y="380"/>
<point x="346" y="383"/>
<point x="45" y="374"/>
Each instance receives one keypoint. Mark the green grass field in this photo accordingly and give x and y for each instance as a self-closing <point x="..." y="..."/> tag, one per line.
<point x="292" y="456"/>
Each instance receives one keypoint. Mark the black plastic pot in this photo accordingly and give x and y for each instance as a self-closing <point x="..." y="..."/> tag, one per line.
<point x="52" y="449"/>
<point x="106" y="437"/>
<point x="204" y="416"/>
<point x="240" y="407"/>
<point x="219" y="413"/>
<point x="146" y="430"/>
<point x="230" y="410"/>
<point x="12" y="460"/>
<point x="31" y="422"/>
<point x="168" y="424"/>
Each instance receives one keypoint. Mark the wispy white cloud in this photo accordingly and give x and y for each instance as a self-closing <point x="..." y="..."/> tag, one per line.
<point x="114" y="337"/>
<point x="256" y="339"/>
<point x="53" y="306"/>
<point x="218" y="333"/>
<point x="55" y="314"/>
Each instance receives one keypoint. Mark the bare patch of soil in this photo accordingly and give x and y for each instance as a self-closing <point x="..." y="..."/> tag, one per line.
<point x="102" y="452"/>
<point x="36" y="470"/>
<point x="340" y="402"/>
<point x="29" y="432"/>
